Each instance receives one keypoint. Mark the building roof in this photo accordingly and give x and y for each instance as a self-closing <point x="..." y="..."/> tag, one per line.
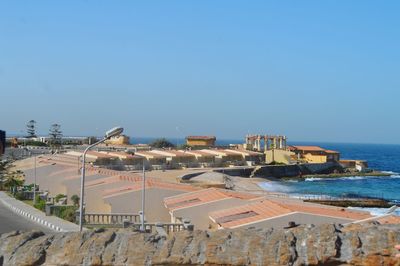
<point x="117" y="178"/>
<point x="201" y="138"/>
<point x="103" y="181"/>
<point x="249" y="213"/>
<point x="173" y="153"/>
<point x="204" y="196"/>
<point x="150" y="184"/>
<point x="120" y="154"/>
<point x="267" y="209"/>
<point x="200" y="153"/>
<point x="220" y="152"/>
<point x="245" y="152"/>
<point x="307" y="148"/>
<point x="150" y="154"/>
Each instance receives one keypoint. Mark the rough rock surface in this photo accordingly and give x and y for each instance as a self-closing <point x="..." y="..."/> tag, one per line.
<point x="305" y="245"/>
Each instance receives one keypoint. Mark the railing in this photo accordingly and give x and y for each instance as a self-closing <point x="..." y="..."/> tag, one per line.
<point x="156" y="227"/>
<point x="110" y="218"/>
<point x="134" y="221"/>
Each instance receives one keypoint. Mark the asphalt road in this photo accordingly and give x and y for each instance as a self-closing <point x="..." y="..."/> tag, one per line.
<point x="10" y="221"/>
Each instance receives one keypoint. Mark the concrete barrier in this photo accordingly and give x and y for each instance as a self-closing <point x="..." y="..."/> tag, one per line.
<point x="32" y="217"/>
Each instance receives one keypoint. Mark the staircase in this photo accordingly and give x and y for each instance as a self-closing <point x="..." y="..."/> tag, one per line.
<point x="254" y="171"/>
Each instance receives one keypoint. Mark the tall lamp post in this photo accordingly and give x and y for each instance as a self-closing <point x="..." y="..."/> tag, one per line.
<point x="34" y="185"/>
<point x="143" y="197"/>
<point x="109" y="134"/>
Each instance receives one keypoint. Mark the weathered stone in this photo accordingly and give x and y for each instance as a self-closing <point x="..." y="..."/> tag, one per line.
<point x="368" y="244"/>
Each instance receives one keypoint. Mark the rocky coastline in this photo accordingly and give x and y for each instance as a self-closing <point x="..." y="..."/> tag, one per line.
<point x="368" y="244"/>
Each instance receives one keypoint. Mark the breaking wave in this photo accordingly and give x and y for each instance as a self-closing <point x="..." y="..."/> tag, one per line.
<point x="376" y="211"/>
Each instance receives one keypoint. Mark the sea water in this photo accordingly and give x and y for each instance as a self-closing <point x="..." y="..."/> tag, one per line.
<point x="380" y="157"/>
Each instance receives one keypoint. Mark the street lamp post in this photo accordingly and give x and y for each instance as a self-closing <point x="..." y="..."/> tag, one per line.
<point x="111" y="133"/>
<point x="34" y="185"/>
<point x="143" y="196"/>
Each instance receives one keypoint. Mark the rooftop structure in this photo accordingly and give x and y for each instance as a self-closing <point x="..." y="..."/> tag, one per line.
<point x="269" y="142"/>
<point x="268" y="213"/>
<point x="225" y="157"/>
<point x="196" y="205"/>
<point x="127" y="198"/>
<point x="205" y="141"/>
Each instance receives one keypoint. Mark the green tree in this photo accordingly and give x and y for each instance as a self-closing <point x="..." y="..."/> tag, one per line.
<point x="31" y="129"/>
<point x="75" y="200"/>
<point x="162" y="143"/>
<point x="55" y="134"/>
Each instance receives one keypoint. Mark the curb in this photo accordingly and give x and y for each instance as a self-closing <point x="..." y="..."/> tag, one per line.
<point x="32" y="217"/>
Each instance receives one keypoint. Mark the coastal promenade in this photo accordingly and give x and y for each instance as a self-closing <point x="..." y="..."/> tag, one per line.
<point x="16" y="215"/>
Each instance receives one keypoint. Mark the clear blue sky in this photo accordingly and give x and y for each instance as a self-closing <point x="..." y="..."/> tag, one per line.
<point x="312" y="70"/>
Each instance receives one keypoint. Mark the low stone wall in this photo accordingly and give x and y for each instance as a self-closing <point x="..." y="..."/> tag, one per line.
<point x="279" y="171"/>
<point x="305" y="245"/>
<point x="244" y="172"/>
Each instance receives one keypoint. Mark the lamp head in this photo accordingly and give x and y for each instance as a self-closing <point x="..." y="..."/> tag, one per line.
<point x="114" y="132"/>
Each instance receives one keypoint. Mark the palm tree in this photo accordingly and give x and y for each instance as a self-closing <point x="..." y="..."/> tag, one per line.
<point x="4" y="165"/>
<point x="13" y="180"/>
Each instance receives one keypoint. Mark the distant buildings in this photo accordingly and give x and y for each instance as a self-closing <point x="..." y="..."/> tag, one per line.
<point x="173" y="159"/>
<point x="315" y="154"/>
<point x="2" y="142"/>
<point x="202" y="141"/>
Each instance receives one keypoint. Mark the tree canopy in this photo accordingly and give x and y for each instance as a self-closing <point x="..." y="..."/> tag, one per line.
<point x="31" y="129"/>
<point x="162" y="143"/>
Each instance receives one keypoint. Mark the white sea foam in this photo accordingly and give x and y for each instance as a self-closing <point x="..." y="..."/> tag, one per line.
<point x="274" y="186"/>
<point x="376" y="211"/>
<point x="354" y="177"/>
<point x="390" y="172"/>
<point x="311" y="179"/>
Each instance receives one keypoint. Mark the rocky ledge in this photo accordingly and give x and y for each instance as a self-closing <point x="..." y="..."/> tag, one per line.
<point x="305" y="245"/>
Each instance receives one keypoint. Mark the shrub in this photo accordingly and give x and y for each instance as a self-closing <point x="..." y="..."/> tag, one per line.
<point x="20" y="196"/>
<point x="65" y="212"/>
<point x="35" y="143"/>
<point x="40" y="203"/>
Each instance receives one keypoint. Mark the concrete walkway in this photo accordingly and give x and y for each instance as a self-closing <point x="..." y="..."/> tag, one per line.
<point x="30" y="213"/>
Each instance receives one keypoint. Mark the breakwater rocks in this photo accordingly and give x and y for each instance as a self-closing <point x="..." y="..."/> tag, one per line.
<point x="304" y="245"/>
